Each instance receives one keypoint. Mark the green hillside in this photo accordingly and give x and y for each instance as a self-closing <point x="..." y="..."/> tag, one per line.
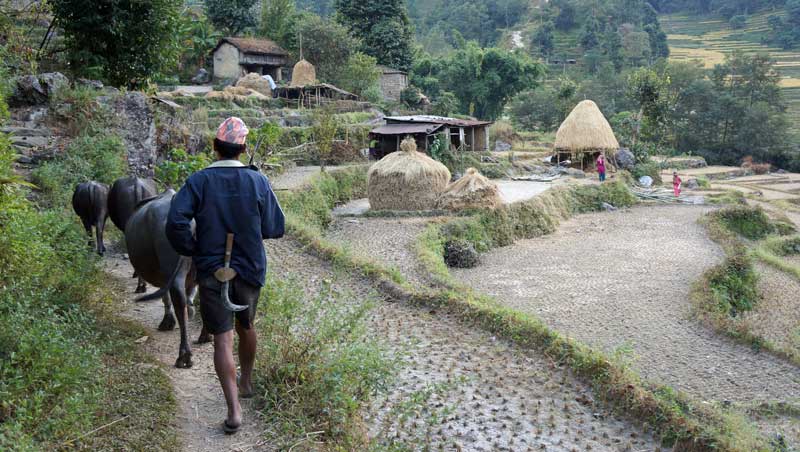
<point x="709" y="38"/>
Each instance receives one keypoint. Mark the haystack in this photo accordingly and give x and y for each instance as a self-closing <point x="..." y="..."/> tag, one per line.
<point x="585" y="131"/>
<point x="256" y="83"/>
<point x="406" y="180"/>
<point x="303" y="74"/>
<point x="472" y="191"/>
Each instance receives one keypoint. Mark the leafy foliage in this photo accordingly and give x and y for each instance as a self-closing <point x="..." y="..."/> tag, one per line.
<point x="100" y="44"/>
<point x="232" y="16"/>
<point x="88" y="157"/>
<point x="383" y="28"/>
<point x="178" y="166"/>
<point x="326" y="43"/>
<point x="483" y="80"/>
<point x="324" y="133"/>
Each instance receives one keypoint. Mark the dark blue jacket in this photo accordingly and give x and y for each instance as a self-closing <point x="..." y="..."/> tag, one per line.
<point x="225" y="199"/>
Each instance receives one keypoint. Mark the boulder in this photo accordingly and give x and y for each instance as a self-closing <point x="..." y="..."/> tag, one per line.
<point x="137" y="127"/>
<point x="460" y="254"/>
<point x="502" y="146"/>
<point x="576" y="173"/>
<point x="36" y="90"/>
<point x="691" y="184"/>
<point x="646" y="181"/>
<point x="202" y="77"/>
<point x="53" y="82"/>
<point x="625" y="159"/>
<point x="608" y="207"/>
<point x="91" y="84"/>
<point x="27" y="91"/>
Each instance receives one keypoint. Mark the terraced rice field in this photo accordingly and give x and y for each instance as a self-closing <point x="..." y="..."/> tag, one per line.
<point x="710" y="38"/>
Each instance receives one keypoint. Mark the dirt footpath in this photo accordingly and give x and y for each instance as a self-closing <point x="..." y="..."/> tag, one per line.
<point x="620" y="281"/>
<point x="473" y="392"/>
<point x="201" y="405"/>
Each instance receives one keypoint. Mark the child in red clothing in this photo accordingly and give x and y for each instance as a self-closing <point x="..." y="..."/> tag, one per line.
<point x="676" y="184"/>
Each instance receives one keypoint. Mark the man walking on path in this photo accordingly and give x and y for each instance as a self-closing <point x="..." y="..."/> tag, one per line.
<point x="228" y="198"/>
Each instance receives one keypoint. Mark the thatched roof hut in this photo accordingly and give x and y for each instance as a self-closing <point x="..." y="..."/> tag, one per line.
<point x="472" y="191"/>
<point x="406" y="180"/>
<point x="585" y="131"/>
<point x="304" y="74"/>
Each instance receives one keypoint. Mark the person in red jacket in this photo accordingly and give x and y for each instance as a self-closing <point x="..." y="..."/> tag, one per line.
<point x="601" y="167"/>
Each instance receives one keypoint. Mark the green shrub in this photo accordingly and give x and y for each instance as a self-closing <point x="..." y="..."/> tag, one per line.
<point x="312" y="207"/>
<point x="734" y="284"/>
<point x="179" y="165"/>
<point x="783" y="246"/>
<point x="98" y="158"/>
<point x="650" y="168"/>
<point x="317" y="367"/>
<point x="749" y="222"/>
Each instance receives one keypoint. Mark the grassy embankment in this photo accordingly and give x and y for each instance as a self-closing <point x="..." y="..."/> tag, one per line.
<point x="726" y="292"/>
<point x="71" y="376"/>
<point x="709" y="38"/>
<point x="680" y="421"/>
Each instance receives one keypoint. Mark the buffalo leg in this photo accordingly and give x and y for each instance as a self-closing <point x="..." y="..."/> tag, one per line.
<point x="99" y="227"/>
<point x="168" y="322"/>
<point x="87" y="225"/>
<point x="178" y="296"/>
<point x="142" y="286"/>
<point x="204" y="337"/>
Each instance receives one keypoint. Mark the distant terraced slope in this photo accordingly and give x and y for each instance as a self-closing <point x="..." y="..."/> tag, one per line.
<point x="709" y="38"/>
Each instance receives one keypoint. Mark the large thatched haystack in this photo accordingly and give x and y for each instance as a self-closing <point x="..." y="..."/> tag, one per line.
<point x="304" y="74"/>
<point x="585" y="131"/>
<point x="472" y="191"/>
<point x="256" y="83"/>
<point x="406" y="180"/>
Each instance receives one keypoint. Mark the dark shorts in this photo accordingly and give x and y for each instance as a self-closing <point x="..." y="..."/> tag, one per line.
<point x="216" y="318"/>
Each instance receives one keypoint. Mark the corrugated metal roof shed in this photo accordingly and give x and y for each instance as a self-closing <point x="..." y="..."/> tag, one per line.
<point x="428" y="119"/>
<point x="406" y="129"/>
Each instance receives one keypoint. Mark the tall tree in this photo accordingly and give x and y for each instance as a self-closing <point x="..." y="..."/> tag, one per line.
<point x="277" y="20"/>
<point x="232" y="16"/>
<point x="383" y="28"/>
<point x="121" y="41"/>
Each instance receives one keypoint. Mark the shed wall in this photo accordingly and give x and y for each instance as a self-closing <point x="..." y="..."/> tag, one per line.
<point x="226" y="62"/>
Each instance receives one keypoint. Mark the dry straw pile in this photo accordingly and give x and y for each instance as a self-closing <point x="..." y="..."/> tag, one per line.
<point x="473" y="191"/>
<point x="304" y="74"/>
<point x="235" y="93"/>
<point x="256" y="83"/>
<point x="406" y="180"/>
<point x="585" y="130"/>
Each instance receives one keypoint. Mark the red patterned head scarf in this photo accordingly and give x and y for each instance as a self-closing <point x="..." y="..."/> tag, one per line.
<point x="233" y="130"/>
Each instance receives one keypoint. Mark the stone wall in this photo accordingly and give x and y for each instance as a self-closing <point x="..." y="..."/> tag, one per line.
<point x="393" y="84"/>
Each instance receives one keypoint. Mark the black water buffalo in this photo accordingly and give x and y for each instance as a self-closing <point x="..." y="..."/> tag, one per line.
<point x="90" y="203"/>
<point x="154" y="260"/>
<point x="123" y="198"/>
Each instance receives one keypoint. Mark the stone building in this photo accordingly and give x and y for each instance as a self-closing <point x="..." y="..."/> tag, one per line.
<point x="393" y="82"/>
<point x="236" y="57"/>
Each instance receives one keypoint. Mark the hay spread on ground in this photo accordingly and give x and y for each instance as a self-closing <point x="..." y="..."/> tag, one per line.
<point x="304" y="74"/>
<point x="406" y="180"/>
<point x="256" y="83"/>
<point x="235" y="93"/>
<point x="472" y="191"/>
<point x="585" y="130"/>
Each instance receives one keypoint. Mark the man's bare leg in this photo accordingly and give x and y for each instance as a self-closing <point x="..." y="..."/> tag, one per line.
<point x="226" y="372"/>
<point x="247" y="357"/>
